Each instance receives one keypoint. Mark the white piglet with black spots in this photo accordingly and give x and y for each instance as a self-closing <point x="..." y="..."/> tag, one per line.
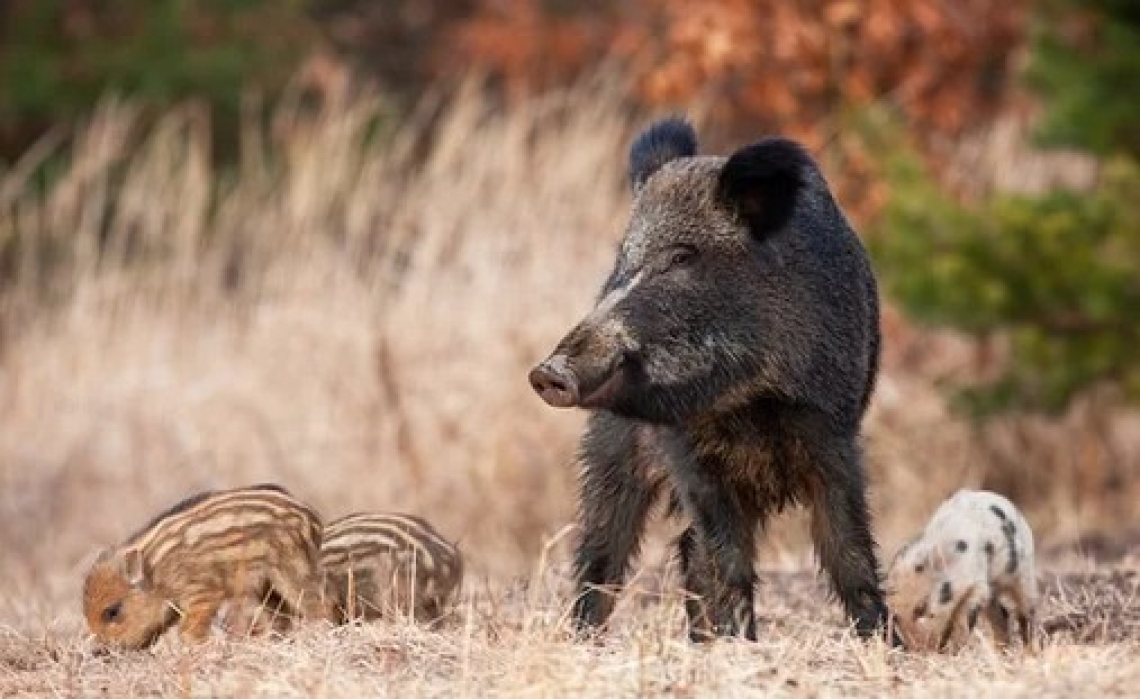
<point x="974" y="557"/>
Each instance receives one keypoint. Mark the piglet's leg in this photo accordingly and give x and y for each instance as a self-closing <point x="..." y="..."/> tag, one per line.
<point x="1014" y="607"/>
<point x="301" y="589"/>
<point x="1028" y="600"/>
<point x="998" y="616"/>
<point x="1025" y="613"/>
<point x="1027" y="622"/>
<point x="198" y="614"/>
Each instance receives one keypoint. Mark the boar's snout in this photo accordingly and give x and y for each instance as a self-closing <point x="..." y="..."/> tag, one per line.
<point x="555" y="382"/>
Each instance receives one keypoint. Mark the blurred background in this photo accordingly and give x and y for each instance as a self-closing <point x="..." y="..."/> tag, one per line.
<point x="320" y="242"/>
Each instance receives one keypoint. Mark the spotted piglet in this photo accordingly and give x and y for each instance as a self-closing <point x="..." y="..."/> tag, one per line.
<point x="975" y="556"/>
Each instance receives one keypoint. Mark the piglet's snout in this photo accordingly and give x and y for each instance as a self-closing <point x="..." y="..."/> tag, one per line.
<point x="555" y="382"/>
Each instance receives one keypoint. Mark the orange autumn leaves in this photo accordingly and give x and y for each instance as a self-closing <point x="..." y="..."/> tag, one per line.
<point x="768" y="64"/>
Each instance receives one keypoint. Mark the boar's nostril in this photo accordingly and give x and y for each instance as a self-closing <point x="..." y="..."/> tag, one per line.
<point x="555" y="383"/>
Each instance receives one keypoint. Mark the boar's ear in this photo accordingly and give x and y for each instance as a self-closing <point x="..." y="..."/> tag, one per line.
<point x="761" y="182"/>
<point x="133" y="568"/>
<point x="666" y="140"/>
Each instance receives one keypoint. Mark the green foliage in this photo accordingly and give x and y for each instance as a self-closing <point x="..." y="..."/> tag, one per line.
<point x="1056" y="275"/>
<point x="1086" y="63"/>
<point x="58" y="57"/>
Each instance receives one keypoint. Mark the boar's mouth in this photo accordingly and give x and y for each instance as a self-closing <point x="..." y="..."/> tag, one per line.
<point x="562" y="387"/>
<point x="603" y="394"/>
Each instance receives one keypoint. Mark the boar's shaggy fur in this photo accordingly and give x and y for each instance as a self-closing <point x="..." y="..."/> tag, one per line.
<point x="728" y="361"/>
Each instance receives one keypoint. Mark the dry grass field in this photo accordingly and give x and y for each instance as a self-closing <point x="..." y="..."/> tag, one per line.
<point x="353" y="317"/>
<point x="509" y="640"/>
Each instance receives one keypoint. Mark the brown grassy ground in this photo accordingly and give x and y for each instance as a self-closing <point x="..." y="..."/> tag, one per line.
<point x="356" y="323"/>
<point x="511" y="641"/>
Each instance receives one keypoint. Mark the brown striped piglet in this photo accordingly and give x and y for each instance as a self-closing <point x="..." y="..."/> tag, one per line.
<point x="211" y="548"/>
<point x="386" y="565"/>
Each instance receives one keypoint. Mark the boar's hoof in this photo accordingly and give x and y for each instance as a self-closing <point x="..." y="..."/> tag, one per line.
<point x="555" y="383"/>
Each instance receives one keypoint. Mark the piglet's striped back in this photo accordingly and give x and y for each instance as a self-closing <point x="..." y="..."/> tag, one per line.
<point x="213" y="522"/>
<point x="379" y="563"/>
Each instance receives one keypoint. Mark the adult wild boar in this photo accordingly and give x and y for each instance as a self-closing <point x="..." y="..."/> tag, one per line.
<point x="729" y="361"/>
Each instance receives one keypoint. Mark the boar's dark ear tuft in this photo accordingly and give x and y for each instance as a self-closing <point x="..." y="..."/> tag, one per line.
<point x="666" y="140"/>
<point x="761" y="182"/>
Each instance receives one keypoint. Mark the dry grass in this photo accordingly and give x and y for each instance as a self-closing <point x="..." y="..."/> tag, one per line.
<point x="354" y="319"/>
<point x="512" y="642"/>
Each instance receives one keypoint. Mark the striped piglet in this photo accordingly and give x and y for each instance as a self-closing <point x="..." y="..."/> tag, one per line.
<point x="212" y="548"/>
<point x="387" y="564"/>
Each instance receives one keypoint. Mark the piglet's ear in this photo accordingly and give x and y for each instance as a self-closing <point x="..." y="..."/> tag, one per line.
<point x="133" y="569"/>
<point x="762" y="181"/>
<point x="666" y="140"/>
<point x="904" y="550"/>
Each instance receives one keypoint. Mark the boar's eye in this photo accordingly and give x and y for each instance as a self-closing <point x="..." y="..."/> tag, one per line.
<point x="111" y="614"/>
<point x="682" y="255"/>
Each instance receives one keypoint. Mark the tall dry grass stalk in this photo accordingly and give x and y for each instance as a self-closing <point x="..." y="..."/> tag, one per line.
<point x="339" y="315"/>
<point x="346" y="314"/>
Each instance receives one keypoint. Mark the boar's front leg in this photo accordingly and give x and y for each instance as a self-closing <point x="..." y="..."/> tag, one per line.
<point x="616" y="494"/>
<point x="841" y="526"/>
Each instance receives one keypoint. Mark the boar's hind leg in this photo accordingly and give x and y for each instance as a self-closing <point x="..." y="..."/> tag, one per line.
<point x="841" y="529"/>
<point x="716" y="553"/>
<point x="615" y="498"/>
<point x="696" y="568"/>
<point x="716" y="557"/>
